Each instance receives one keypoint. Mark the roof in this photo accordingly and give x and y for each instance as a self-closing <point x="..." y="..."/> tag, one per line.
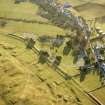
<point x="29" y="35"/>
<point x="67" y="5"/>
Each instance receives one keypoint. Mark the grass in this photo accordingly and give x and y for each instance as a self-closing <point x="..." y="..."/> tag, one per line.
<point x="100" y="94"/>
<point x="22" y="79"/>
<point x="87" y="11"/>
<point x="80" y="2"/>
<point x="38" y="29"/>
<point x="73" y="2"/>
<point x="91" y="82"/>
<point x="21" y="76"/>
<point x="26" y="11"/>
<point x="19" y="59"/>
<point x="91" y="10"/>
<point x="67" y="60"/>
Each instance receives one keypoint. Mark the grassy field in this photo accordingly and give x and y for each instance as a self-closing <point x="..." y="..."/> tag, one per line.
<point x="73" y="2"/>
<point x="91" y="10"/>
<point x="26" y="11"/>
<point x="79" y="2"/>
<point x="87" y="8"/>
<point x="20" y="11"/>
<point x="67" y="60"/>
<point x="91" y="82"/>
<point x="23" y="73"/>
<point x="100" y="94"/>
<point x="38" y="29"/>
<point x="25" y="81"/>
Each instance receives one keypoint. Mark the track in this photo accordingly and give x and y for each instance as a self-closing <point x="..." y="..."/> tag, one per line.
<point x="64" y="75"/>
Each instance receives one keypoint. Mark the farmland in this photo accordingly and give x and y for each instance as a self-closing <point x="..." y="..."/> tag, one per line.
<point x="26" y="81"/>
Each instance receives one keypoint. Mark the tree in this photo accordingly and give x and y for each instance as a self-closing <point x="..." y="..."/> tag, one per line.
<point x="19" y="1"/>
<point x="30" y="43"/>
<point x="67" y="48"/>
<point x="3" y="23"/>
<point x="57" y="60"/>
<point x="75" y="54"/>
<point x="43" y="56"/>
<point x="87" y="60"/>
<point x="58" y="41"/>
<point x="83" y="72"/>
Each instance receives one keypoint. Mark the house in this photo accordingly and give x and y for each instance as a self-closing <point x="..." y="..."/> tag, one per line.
<point x="27" y="36"/>
<point x="67" y="5"/>
<point x="58" y="41"/>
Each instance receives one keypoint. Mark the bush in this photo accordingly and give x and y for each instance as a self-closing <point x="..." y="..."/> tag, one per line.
<point x="3" y="23"/>
<point x="30" y="43"/>
<point x="19" y="1"/>
<point x="57" y="60"/>
<point x="43" y="57"/>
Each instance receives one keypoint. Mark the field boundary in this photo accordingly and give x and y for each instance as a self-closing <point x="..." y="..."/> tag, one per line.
<point x="97" y="89"/>
<point x="95" y="99"/>
<point x="23" y="20"/>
